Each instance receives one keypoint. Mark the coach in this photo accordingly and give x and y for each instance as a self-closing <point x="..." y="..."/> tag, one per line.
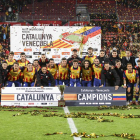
<point x="128" y="59"/>
<point x="109" y="77"/>
<point x="44" y="77"/>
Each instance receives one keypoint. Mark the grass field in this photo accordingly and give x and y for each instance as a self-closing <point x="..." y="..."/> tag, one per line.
<point x="30" y="127"/>
<point x="74" y="38"/>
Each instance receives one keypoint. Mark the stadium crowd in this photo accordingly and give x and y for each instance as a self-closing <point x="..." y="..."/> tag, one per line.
<point x="91" y="70"/>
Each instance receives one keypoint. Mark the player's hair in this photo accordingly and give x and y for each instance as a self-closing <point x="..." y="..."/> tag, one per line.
<point x="129" y="64"/>
<point x="106" y="63"/>
<point x="74" y="50"/>
<point x="43" y="54"/>
<point x="4" y="62"/>
<point x="12" y="53"/>
<point x="23" y="53"/>
<point x="96" y="58"/>
<point x="138" y="61"/>
<point x="128" y="50"/>
<point x="86" y="61"/>
<point x="102" y="51"/>
<point x="29" y="63"/>
<point x="83" y="63"/>
<point x="51" y="59"/>
<point x="43" y="66"/>
<point x="90" y="48"/>
<point x="75" y="60"/>
<point x="35" y="60"/>
<point x="117" y="61"/>
<point x="63" y="58"/>
<point x="16" y="63"/>
<point x="114" y="51"/>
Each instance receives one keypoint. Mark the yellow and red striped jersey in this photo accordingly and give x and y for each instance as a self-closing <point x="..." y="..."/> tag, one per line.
<point x="13" y="75"/>
<point x="22" y="64"/>
<point x="10" y="62"/>
<point x="29" y="76"/>
<point x="63" y="72"/>
<point x="90" y="58"/>
<point x="97" y="70"/>
<point x="87" y="74"/>
<point x="131" y="76"/>
<point x="75" y="73"/>
<point x="53" y="71"/>
<point x="38" y="68"/>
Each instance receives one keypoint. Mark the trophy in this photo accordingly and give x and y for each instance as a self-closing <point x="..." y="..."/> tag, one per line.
<point x="61" y="102"/>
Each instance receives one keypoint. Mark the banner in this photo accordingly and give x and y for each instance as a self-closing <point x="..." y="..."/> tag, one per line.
<point x="55" y="42"/>
<point x="46" y="23"/>
<point x="92" y="96"/>
<point x="30" y="96"/>
<point x="16" y="23"/>
<point x="76" y="23"/>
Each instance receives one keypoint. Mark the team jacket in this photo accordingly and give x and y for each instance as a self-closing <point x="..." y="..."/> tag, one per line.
<point x="110" y="76"/>
<point x="70" y="60"/>
<point x="3" y="75"/>
<point x="120" y="72"/>
<point x="44" y="79"/>
<point x="43" y="63"/>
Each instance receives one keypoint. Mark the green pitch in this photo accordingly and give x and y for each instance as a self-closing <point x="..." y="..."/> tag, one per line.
<point x="28" y="127"/>
<point x="75" y="38"/>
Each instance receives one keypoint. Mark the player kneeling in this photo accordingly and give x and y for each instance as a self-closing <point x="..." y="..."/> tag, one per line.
<point x="75" y="74"/>
<point x="86" y="74"/>
<point x="130" y="75"/>
<point x="13" y="75"/>
<point x="29" y="75"/>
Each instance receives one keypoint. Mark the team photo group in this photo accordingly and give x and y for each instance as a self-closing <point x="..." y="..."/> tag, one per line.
<point x="89" y="71"/>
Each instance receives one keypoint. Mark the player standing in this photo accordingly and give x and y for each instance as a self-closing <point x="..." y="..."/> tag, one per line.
<point x="63" y="69"/>
<point x="74" y="56"/>
<point x="10" y="60"/>
<point x="36" y="65"/>
<point x="132" y="78"/>
<point x="97" y="68"/>
<point x="87" y="73"/>
<point x="90" y="57"/>
<point x="23" y="62"/>
<point x="53" y="69"/>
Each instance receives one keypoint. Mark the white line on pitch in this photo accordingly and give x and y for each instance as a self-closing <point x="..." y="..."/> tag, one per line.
<point x="71" y="123"/>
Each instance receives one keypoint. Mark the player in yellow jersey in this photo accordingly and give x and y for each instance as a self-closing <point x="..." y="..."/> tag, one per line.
<point x="131" y="76"/>
<point x="13" y="75"/>
<point x="63" y="69"/>
<point x="90" y="56"/>
<point x="23" y="62"/>
<point x="97" y="68"/>
<point x="10" y="60"/>
<point x="53" y="69"/>
<point x="36" y="65"/>
<point x="29" y="75"/>
<point x="87" y="73"/>
<point x="75" y="74"/>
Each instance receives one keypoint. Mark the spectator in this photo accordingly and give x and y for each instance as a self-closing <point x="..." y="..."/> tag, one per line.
<point x="128" y="59"/>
